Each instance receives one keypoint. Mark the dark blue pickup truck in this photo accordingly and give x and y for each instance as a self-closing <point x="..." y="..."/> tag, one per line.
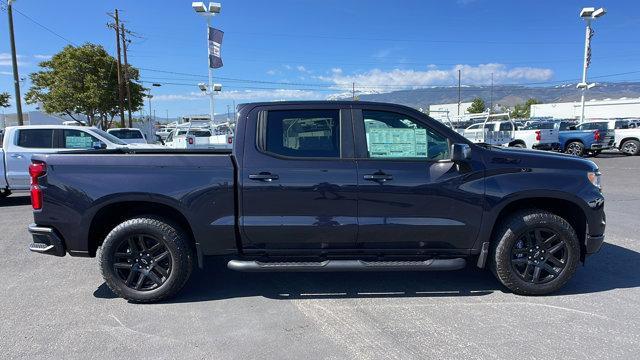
<point x="321" y="186"/>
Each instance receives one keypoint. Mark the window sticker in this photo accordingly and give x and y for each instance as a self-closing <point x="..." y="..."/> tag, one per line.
<point x="397" y="143"/>
<point x="79" y="142"/>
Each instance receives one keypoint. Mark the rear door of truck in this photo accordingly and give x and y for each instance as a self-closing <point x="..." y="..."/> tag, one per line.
<point x="298" y="180"/>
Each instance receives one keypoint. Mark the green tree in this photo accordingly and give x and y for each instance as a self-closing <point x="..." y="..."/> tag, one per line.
<point x="523" y="111"/>
<point x="83" y="80"/>
<point x="477" y="106"/>
<point x="4" y="99"/>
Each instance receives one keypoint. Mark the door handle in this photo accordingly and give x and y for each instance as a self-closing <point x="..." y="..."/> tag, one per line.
<point x="16" y="156"/>
<point x="378" y="177"/>
<point x="264" y="177"/>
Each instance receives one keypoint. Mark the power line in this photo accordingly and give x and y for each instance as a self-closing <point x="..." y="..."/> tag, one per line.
<point x="44" y="27"/>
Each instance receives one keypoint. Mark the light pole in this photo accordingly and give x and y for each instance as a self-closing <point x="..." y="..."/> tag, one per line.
<point x="588" y="14"/>
<point x="208" y="11"/>
<point x="14" y="63"/>
<point x="215" y="88"/>
<point x="149" y="96"/>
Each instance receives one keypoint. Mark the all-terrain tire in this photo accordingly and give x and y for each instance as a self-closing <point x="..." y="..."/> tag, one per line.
<point x="178" y="263"/>
<point x="511" y="232"/>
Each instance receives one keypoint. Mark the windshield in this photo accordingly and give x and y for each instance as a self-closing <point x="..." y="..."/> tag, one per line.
<point x="107" y="136"/>
<point x="126" y="134"/>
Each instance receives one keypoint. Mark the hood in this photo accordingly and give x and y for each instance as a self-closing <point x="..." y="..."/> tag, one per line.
<point x="541" y="158"/>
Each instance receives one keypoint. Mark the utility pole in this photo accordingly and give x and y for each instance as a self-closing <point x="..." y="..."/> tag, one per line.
<point x="119" y="69"/>
<point x="353" y="91"/>
<point x="126" y="74"/>
<point x="491" y="101"/>
<point x="459" y="96"/>
<point x="14" y="63"/>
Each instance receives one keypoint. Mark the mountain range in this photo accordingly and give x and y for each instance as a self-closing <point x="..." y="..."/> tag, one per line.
<point x="504" y="95"/>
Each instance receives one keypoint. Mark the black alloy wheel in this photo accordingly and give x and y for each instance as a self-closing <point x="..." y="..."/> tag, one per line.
<point x="539" y="255"/>
<point x="142" y="262"/>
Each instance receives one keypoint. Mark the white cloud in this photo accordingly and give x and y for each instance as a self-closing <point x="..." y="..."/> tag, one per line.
<point x="42" y="56"/>
<point x="6" y="73"/>
<point x="396" y="79"/>
<point x="272" y="72"/>
<point x="336" y="70"/>
<point x="5" y="60"/>
<point x="246" y="95"/>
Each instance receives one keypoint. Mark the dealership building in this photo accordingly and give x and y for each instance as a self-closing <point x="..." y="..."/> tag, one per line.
<point x="593" y="109"/>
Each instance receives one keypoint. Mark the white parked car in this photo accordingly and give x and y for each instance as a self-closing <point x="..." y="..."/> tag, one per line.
<point x="628" y="141"/>
<point x="21" y="142"/>
<point x="184" y="138"/>
<point x="532" y="136"/>
<point x="129" y="135"/>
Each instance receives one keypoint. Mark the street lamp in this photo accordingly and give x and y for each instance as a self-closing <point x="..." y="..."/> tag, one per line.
<point x="588" y="14"/>
<point x="208" y="11"/>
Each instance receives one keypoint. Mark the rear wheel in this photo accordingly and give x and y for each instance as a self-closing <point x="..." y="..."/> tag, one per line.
<point x="518" y="145"/>
<point x="630" y="147"/>
<point x="575" y="148"/>
<point x="146" y="259"/>
<point x="536" y="253"/>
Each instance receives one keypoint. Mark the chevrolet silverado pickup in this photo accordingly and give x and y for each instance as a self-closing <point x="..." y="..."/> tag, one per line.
<point x="320" y="186"/>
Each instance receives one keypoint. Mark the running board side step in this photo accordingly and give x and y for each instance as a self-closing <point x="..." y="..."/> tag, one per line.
<point x="348" y="265"/>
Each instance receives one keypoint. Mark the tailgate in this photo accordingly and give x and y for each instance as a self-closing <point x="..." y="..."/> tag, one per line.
<point x="548" y="136"/>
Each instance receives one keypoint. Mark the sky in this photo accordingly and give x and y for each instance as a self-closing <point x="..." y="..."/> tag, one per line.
<point x="304" y="49"/>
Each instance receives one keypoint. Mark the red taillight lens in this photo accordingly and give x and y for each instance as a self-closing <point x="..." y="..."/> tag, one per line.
<point x="538" y="135"/>
<point x="36" y="170"/>
<point x="596" y="135"/>
<point x="190" y="141"/>
<point x="230" y="140"/>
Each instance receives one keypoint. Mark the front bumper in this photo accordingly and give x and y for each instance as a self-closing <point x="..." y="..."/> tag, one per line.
<point x="547" y="146"/>
<point x="46" y="241"/>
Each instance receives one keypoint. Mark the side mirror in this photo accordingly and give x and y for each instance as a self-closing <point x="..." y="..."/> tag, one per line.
<point x="460" y="152"/>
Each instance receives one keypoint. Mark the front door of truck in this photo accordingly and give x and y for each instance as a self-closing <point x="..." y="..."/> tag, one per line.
<point x="298" y="181"/>
<point x="411" y="196"/>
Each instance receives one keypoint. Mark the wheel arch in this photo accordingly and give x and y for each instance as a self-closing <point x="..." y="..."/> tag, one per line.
<point x="518" y="141"/>
<point x="627" y="139"/>
<point x="112" y="214"/>
<point x="566" y="208"/>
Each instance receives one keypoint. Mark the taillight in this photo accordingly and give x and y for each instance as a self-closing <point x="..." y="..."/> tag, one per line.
<point x="538" y="135"/>
<point x="596" y="135"/>
<point x="36" y="170"/>
<point x="230" y="140"/>
<point x="190" y="141"/>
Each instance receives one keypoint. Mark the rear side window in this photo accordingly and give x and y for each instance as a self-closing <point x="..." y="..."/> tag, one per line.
<point x="76" y="139"/>
<point x="303" y="133"/>
<point x="35" y="138"/>
<point x="505" y="126"/>
<point x="621" y="124"/>
<point x="126" y="134"/>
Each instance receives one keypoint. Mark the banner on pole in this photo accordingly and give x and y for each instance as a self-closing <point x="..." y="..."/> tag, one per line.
<point x="215" y="42"/>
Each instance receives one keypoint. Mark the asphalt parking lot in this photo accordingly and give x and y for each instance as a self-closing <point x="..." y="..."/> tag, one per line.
<point x="60" y="307"/>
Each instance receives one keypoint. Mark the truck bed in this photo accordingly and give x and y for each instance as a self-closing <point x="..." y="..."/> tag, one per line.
<point x="200" y="184"/>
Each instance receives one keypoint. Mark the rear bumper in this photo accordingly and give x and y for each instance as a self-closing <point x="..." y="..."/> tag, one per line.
<point x="548" y="146"/>
<point x="600" y="146"/>
<point x="46" y="241"/>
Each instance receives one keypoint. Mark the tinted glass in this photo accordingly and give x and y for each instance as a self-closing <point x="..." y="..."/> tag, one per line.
<point x="77" y="139"/>
<point x="622" y="124"/>
<point x="505" y="126"/>
<point x="35" y="138"/>
<point x="392" y="135"/>
<point x="126" y="134"/>
<point x="107" y="136"/>
<point x="304" y="133"/>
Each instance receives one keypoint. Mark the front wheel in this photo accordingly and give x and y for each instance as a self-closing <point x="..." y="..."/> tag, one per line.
<point x="146" y="259"/>
<point x="630" y="147"/>
<point x="536" y="253"/>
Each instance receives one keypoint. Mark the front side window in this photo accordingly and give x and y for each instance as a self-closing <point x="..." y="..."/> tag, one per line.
<point x="77" y="139"/>
<point x="35" y="138"/>
<point x="303" y="133"/>
<point x="393" y="135"/>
